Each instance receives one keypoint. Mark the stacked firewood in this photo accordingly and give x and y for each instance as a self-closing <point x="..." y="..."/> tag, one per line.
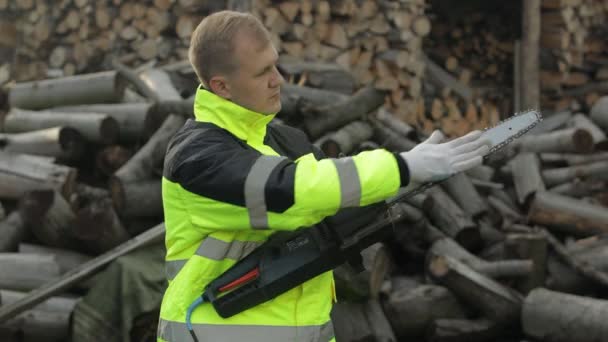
<point x="475" y="257"/>
<point x="569" y="41"/>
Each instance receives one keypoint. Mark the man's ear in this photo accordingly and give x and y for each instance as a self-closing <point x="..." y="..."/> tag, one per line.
<point x="220" y="87"/>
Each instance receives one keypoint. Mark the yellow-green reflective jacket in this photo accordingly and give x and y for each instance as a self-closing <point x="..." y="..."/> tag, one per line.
<point x="231" y="179"/>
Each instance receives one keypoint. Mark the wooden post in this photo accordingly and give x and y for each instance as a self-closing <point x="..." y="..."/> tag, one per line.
<point x="530" y="79"/>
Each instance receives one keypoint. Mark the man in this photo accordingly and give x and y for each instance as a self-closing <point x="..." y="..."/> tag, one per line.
<point x="232" y="178"/>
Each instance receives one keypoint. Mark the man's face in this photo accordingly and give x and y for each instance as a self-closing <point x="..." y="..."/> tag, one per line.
<point x="256" y="83"/>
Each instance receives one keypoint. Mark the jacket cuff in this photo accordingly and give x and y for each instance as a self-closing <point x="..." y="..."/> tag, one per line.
<point x="404" y="170"/>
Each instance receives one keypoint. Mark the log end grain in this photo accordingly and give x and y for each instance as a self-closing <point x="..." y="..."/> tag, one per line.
<point x="583" y="141"/>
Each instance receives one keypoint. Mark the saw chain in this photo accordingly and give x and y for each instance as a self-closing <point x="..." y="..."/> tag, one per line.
<point x="501" y="135"/>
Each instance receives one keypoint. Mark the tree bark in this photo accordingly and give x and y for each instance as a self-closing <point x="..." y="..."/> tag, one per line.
<point x="526" y="176"/>
<point x="396" y="124"/>
<point x="12" y="232"/>
<point x="66" y="259"/>
<point x="346" y="139"/>
<point x="560" y="317"/>
<point x="572" y="158"/>
<point x="101" y="87"/>
<point x="138" y="199"/>
<point x="293" y="97"/>
<point x="95" y="127"/>
<point x="332" y="116"/>
<point x="530" y="247"/>
<point x="412" y="311"/>
<point x="449" y="218"/>
<point x="569" y="215"/>
<point x="25" y="272"/>
<point x="389" y="139"/>
<point x="21" y="173"/>
<point x="461" y="190"/>
<point x="593" y="171"/>
<point x="464" y="330"/>
<point x="495" y="301"/>
<point x="98" y="227"/>
<point x="599" y="112"/>
<point x="563" y="140"/>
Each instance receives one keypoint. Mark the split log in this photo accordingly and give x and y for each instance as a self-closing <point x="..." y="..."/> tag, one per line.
<point x="65" y="259"/>
<point x="25" y="272"/>
<point x="37" y="296"/>
<point x="344" y="140"/>
<point x="332" y="116"/>
<point x="534" y="248"/>
<point x="60" y="142"/>
<point x="95" y="127"/>
<point x="129" y="116"/>
<point x="462" y="191"/>
<point x="98" y="227"/>
<point x="495" y="301"/>
<point x="564" y="140"/>
<point x="569" y="215"/>
<point x="49" y="217"/>
<point x="526" y="176"/>
<point x="449" y="218"/>
<point x="412" y="311"/>
<point x="12" y="232"/>
<point x="599" y="112"/>
<point x="561" y="317"/>
<point x="101" y="87"/>
<point x="20" y="173"/>
<point x="456" y="330"/>
<point x="594" y="171"/>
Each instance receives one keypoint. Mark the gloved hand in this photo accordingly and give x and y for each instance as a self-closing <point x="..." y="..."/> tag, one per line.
<point x="432" y="160"/>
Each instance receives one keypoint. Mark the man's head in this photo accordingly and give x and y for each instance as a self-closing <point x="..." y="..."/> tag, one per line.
<point x="233" y="56"/>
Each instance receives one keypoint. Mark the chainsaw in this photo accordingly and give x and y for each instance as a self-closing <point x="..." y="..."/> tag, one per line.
<point x="287" y="259"/>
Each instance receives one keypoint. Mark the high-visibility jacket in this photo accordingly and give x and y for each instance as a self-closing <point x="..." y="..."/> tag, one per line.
<point x="231" y="179"/>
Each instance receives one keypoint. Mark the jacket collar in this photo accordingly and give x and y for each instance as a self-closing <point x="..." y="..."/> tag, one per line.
<point x="242" y="122"/>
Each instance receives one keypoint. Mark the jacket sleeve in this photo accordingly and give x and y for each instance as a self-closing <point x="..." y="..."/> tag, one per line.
<point x="280" y="193"/>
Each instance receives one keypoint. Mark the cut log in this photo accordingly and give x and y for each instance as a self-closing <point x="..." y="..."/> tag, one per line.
<point x="495" y="301"/>
<point x="390" y="139"/>
<point x="326" y="76"/>
<point x="526" y="176"/>
<point x="98" y="227"/>
<point x="49" y="217"/>
<point x="462" y="191"/>
<point x="595" y="171"/>
<point x="159" y="82"/>
<point x="25" y="272"/>
<point x="129" y="116"/>
<point x="444" y="80"/>
<point x="456" y="330"/>
<point x="396" y="124"/>
<point x="551" y="123"/>
<point x="138" y="199"/>
<point x="332" y="116"/>
<point x="565" y="140"/>
<point x="101" y="87"/>
<point x="67" y="260"/>
<point x="599" y="112"/>
<point x="412" y="311"/>
<point x="561" y="317"/>
<point x="112" y="158"/>
<point x="569" y="215"/>
<point x="12" y="232"/>
<point x="141" y="165"/>
<point x="20" y="173"/>
<point x="378" y="262"/>
<point x="95" y="127"/>
<point x="139" y="84"/>
<point x="64" y="143"/>
<point x="573" y="158"/>
<point x="582" y="121"/>
<point x="534" y="248"/>
<point x="361" y="322"/>
<point x="481" y="172"/>
<point x="449" y="218"/>
<point x="37" y="296"/>
<point x="346" y="139"/>
<point x="293" y="96"/>
<point x="579" y="189"/>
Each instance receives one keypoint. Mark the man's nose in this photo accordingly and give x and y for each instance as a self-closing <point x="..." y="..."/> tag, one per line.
<point x="276" y="79"/>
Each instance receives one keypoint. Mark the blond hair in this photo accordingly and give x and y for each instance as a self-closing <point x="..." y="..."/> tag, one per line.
<point x="212" y="42"/>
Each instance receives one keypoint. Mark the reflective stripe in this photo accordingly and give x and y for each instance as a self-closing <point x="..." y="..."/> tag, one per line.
<point x="255" y="185"/>
<point x="350" y="186"/>
<point x="176" y="332"/>
<point x="215" y="249"/>
<point x="172" y="267"/>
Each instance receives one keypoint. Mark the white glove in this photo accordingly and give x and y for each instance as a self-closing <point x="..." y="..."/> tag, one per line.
<point x="432" y="160"/>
